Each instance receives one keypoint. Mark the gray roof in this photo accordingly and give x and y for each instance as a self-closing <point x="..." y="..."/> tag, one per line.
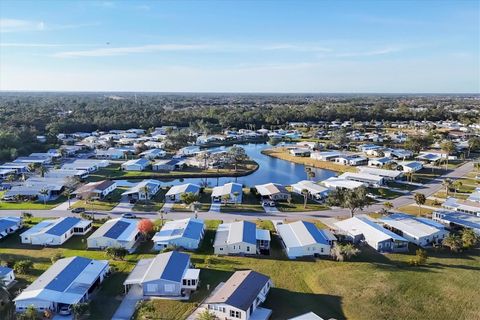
<point x="241" y="290"/>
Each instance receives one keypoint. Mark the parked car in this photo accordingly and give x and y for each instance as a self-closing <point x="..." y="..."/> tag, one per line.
<point x="78" y="210"/>
<point x="268" y="203"/>
<point x="65" y="311"/>
<point x="133" y="201"/>
<point x="129" y="216"/>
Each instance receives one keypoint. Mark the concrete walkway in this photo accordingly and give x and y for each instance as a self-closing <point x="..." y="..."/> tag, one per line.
<point x="215" y="207"/>
<point x="167" y="207"/>
<point x="126" y="309"/>
<point x="65" y="206"/>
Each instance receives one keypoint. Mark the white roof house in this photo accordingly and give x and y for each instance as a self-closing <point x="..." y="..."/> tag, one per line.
<point x="9" y="225"/>
<point x="420" y="231"/>
<point x="68" y="281"/>
<point x="273" y="191"/>
<point x="338" y="183"/>
<point x="361" y="228"/>
<point x="89" y="165"/>
<point x="303" y="238"/>
<point x="55" y="232"/>
<point x="241" y="237"/>
<point x="410" y="166"/>
<point x="119" y="232"/>
<point x="465" y="206"/>
<point x="7" y="275"/>
<point x="153" y="153"/>
<point x="475" y="195"/>
<point x="307" y="316"/>
<point x="233" y="190"/>
<point x="175" y="192"/>
<point x="379" y="162"/>
<point x="325" y="155"/>
<point x="96" y="190"/>
<point x="315" y="190"/>
<point x="387" y="174"/>
<point x="135" y="164"/>
<point x="167" y="274"/>
<point x="185" y="233"/>
<point x="138" y="191"/>
<point x="367" y="178"/>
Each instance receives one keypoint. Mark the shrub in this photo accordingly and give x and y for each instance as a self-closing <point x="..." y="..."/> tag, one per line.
<point x="23" y="266"/>
<point x="56" y="256"/>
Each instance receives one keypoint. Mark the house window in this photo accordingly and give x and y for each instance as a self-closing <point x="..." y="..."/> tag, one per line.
<point x="248" y="249"/>
<point x="235" y="314"/>
<point x="184" y="282"/>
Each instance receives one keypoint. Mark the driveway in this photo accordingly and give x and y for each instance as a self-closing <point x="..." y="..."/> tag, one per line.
<point x="123" y="206"/>
<point x="65" y="206"/>
<point x="215" y="207"/>
<point x="126" y="309"/>
<point x="167" y="207"/>
<point x="273" y="210"/>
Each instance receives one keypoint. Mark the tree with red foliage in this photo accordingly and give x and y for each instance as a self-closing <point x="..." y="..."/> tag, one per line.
<point x="145" y="226"/>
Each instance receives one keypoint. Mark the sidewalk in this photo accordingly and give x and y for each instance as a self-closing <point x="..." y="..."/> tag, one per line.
<point x="65" y="206"/>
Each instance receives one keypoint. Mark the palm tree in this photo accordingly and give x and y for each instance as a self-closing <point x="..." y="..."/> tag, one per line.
<point x="68" y="193"/>
<point x="448" y="147"/>
<point x="447" y="183"/>
<point x="146" y="191"/>
<point x="42" y="170"/>
<point x="44" y="192"/>
<point x="387" y="206"/>
<point x="457" y="184"/>
<point x="453" y="242"/>
<point x="305" y="197"/>
<point x="420" y="200"/>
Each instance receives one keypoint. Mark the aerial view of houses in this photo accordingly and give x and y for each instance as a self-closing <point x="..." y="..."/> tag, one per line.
<point x="239" y="160"/>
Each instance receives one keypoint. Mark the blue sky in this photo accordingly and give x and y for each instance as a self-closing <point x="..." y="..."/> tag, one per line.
<point x="241" y="46"/>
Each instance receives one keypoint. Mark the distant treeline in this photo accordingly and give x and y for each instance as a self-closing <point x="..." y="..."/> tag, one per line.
<point x="24" y="115"/>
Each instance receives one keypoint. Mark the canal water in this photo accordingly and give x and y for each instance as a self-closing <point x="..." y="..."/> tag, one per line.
<point x="270" y="170"/>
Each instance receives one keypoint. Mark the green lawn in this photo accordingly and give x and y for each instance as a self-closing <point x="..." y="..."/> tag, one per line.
<point x="153" y="205"/>
<point x="107" y="204"/>
<point x="401" y="186"/>
<point x="30" y="205"/>
<point x="250" y="203"/>
<point x="297" y="205"/>
<point x="372" y="286"/>
<point x="413" y="209"/>
<point x="384" y="193"/>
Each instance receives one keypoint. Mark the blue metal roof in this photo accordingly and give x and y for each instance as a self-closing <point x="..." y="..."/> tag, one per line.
<point x="193" y="230"/>
<point x="6" y="224"/>
<point x="63" y="226"/>
<point x="65" y="278"/>
<point x="4" y="271"/>
<point x="175" y="267"/>
<point x="249" y="232"/>
<point x="316" y="234"/>
<point x="117" y="229"/>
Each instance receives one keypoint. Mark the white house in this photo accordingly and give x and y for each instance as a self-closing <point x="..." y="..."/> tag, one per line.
<point x="241" y="237"/>
<point x="302" y="238"/>
<point x="166" y="275"/>
<point x="338" y="183"/>
<point x="351" y="160"/>
<point x="185" y="233"/>
<point x="67" y="282"/>
<point x="9" y="225"/>
<point x="110" y="153"/>
<point x="96" y="190"/>
<point x="175" y="192"/>
<point x="315" y="191"/>
<point x="409" y="166"/>
<point x="135" y="164"/>
<point x="7" y="276"/>
<point x="300" y="152"/>
<point x="420" y="231"/>
<point x="379" y="162"/>
<point x="273" y="191"/>
<point x="325" y="155"/>
<point x="233" y="191"/>
<point x="90" y="165"/>
<point x="118" y="232"/>
<point x="188" y="151"/>
<point x="307" y="316"/>
<point x="465" y="206"/>
<point x="168" y="164"/>
<point x="367" y="178"/>
<point x="153" y="154"/>
<point x="361" y="228"/>
<point x="384" y="173"/>
<point x="146" y="189"/>
<point x="241" y="296"/>
<point x="55" y="232"/>
<point x="398" y="153"/>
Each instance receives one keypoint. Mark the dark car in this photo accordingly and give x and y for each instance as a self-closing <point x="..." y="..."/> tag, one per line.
<point x="133" y="201"/>
<point x="78" y="210"/>
<point x="129" y="216"/>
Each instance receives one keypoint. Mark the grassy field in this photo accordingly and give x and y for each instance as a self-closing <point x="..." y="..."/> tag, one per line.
<point x="297" y="205"/>
<point x="107" y="204"/>
<point x="155" y="204"/>
<point x="30" y="205"/>
<point x="250" y="203"/>
<point x="371" y="286"/>
<point x="384" y="193"/>
<point x="282" y="153"/>
<point x="413" y="209"/>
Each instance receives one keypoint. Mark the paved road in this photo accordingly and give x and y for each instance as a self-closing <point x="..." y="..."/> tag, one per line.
<point x="428" y="189"/>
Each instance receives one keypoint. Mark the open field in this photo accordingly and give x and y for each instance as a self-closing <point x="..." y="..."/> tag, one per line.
<point x="282" y="153"/>
<point x="114" y="172"/>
